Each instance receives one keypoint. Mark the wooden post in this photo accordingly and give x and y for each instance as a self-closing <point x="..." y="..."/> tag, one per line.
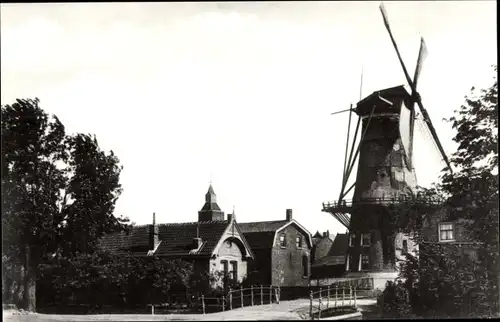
<point x="241" y="293"/>
<point x="311" y="305"/>
<point x="223" y="298"/>
<point x="279" y="295"/>
<point x="152" y="309"/>
<point x="350" y="295"/>
<point x="251" y="290"/>
<point x="343" y="296"/>
<point x="203" y="303"/>
<point x="336" y="294"/>
<point x="230" y="299"/>
<point x="270" y="294"/>
<point x="320" y="293"/>
<point x="355" y="297"/>
<point x="328" y="295"/>
<point x="261" y="295"/>
<point x="319" y="308"/>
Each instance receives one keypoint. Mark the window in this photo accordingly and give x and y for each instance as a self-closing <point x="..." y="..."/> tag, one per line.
<point x="224" y="267"/>
<point x="366" y="239"/>
<point x="348" y="263"/>
<point x="233" y="272"/>
<point x="446" y="232"/>
<point x="352" y="238"/>
<point x="405" y="247"/>
<point x="299" y="242"/>
<point x="282" y="241"/>
<point x="305" y="265"/>
<point x="364" y="262"/>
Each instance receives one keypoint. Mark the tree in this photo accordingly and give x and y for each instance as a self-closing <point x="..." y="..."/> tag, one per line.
<point x="58" y="191"/>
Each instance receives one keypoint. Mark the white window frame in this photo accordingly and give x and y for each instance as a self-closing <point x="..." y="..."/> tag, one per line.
<point x="452" y="229"/>
<point x="369" y="243"/>
<point x="348" y="262"/>
<point x="282" y="245"/>
<point x="352" y="239"/>
<point x="298" y="242"/>
<point x="361" y="262"/>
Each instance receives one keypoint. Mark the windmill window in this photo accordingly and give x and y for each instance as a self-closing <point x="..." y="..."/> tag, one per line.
<point x="299" y="242"/>
<point x="366" y="239"/>
<point x="365" y="261"/>
<point x="282" y="241"/>
<point x="352" y="238"/>
<point x="446" y="232"/>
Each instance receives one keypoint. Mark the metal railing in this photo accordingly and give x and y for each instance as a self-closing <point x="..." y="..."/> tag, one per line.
<point x="250" y="296"/>
<point x="337" y="297"/>
<point x="384" y="199"/>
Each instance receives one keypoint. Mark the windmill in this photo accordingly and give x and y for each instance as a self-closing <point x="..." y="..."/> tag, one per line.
<point x="385" y="171"/>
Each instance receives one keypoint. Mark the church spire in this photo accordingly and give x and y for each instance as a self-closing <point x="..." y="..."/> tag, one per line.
<point x="211" y="210"/>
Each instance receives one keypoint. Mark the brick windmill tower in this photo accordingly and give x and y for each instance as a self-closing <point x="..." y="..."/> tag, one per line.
<point x="385" y="174"/>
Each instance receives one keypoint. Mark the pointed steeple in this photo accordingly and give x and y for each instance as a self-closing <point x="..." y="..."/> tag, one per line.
<point x="211" y="210"/>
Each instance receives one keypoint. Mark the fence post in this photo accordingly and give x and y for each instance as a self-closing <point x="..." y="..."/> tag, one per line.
<point x="350" y="295"/>
<point x="152" y="309"/>
<point x="223" y="298"/>
<point x="230" y="299"/>
<point x="279" y="295"/>
<point x="251" y="290"/>
<point x="328" y="295"/>
<point x="241" y="293"/>
<point x="336" y="294"/>
<point x="203" y="303"/>
<point x="320" y="293"/>
<point x="319" y="308"/>
<point x="311" y="305"/>
<point x="270" y="294"/>
<point x="261" y="295"/>
<point x="343" y="295"/>
<point x="355" y="298"/>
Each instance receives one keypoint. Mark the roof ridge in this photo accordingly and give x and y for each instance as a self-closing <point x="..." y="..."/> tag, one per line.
<point x="181" y="223"/>
<point x="265" y="221"/>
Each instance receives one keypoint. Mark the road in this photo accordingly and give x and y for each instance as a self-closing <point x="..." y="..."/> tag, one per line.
<point x="285" y="310"/>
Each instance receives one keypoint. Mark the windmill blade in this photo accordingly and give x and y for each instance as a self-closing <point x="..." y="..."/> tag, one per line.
<point x="386" y="23"/>
<point x="422" y="55"/>
<point x="428" y="121"/>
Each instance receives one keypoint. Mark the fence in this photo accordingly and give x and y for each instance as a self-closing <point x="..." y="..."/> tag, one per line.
<point x="254" y="295"/>
<point x="331" y="298"/>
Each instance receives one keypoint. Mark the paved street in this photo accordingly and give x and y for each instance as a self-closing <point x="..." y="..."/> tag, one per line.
<point x="286" y="310"/>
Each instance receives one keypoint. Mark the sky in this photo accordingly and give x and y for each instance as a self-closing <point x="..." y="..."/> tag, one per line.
<point x="238" y="94"/>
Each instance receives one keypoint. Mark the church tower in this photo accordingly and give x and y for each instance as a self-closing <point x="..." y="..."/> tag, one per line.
<point x="211" y="210"/>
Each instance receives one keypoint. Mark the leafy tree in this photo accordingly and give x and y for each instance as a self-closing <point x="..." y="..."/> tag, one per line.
<point x="58" y="191"/>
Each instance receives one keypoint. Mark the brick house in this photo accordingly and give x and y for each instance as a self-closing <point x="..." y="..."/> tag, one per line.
<point x="282" y="251"/>
<point x="212" y="244"/>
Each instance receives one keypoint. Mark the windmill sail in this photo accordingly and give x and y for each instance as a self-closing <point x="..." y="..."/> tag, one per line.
<point x="405" y="126"/>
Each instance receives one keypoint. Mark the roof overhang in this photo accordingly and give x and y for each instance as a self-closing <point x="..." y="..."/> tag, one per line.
<point x="293" y="221"/>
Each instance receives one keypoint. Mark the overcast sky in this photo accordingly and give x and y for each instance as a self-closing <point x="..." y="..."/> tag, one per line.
<point x="238" y="93"/>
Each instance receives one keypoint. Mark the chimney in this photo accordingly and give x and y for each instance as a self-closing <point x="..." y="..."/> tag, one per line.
<point x="324" y="234"/>
<point x="229" y="217"/>
<point x="328" y="233"/>
<point x="289" y="214"/>
<point x="153" y="234"/>
<point x="196" y="243"/>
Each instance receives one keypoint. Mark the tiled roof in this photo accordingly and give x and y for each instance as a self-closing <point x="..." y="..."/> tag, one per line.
<point x="176" y="239"/>
<point x="339" y="246"/>
<point x="262" y="226"/>
<point x="261" y="234"/>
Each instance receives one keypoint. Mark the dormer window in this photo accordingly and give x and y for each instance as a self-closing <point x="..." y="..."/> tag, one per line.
<point x="446" y="232"/>
<point x="282" y="241"/>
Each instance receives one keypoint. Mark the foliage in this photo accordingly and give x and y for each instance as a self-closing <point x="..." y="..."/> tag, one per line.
<point x="104" y="279"/>
<point x="58" y="190"/>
